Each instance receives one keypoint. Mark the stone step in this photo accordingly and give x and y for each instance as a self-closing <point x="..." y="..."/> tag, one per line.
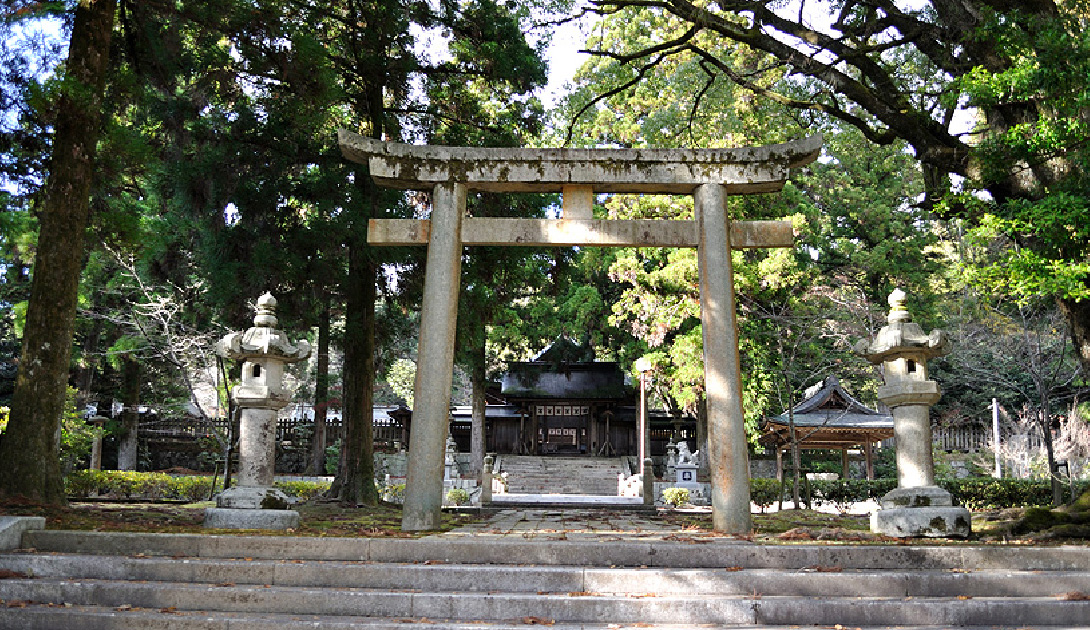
<point x="45" y="617"/>
<point x="754" y="609"/>
<point x="91" y="580"/>
<point x="678" y="553"/>
<point x="552" y="579"/>
<point x="561" y="475"/>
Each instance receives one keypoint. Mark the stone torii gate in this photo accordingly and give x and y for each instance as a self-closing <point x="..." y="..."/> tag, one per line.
<point x="707" y="174"/>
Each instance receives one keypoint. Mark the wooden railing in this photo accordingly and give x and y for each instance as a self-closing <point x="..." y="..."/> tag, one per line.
<point x="973" y="439"/>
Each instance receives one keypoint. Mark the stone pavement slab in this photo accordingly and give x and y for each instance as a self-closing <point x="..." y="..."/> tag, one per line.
<point x="577" y="524"/>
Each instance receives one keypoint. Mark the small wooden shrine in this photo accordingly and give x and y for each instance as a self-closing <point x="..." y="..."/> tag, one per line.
<point x="828" y="418"/>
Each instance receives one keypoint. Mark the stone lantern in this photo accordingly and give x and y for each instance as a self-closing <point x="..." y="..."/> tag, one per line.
<point x="253" y="503"/>
<point x="917" y="507"/>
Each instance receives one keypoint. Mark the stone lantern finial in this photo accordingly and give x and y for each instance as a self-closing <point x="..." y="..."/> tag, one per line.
<point x="897" y="310"/>
<point x="266" y="311"/>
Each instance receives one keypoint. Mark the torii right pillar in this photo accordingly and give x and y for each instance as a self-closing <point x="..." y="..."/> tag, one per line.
<point x="917" y="507"/>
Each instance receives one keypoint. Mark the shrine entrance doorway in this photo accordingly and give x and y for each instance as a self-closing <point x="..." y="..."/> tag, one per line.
<point x="450" y="173"/>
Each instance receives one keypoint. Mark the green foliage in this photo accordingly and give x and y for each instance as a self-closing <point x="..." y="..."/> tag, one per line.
<point x="136" y="485"/>
<point x="332" y="457"/>
<point x="1033" y="236"/>
<point x="676" y="497"/>
<point x="120" y="484"/>
<point x="393" y="493"/>
<point x="844" y="492"/>
<point x="975" y="493"/>
<point x="77" y="436"/>
<point x="457" y="496"/>
<point x="302" y="490"/>
<point x="401" y="376"/>
<point x="764" y="492"/>
<point x="985" y="493"/>
<point x="1059" y="227"/>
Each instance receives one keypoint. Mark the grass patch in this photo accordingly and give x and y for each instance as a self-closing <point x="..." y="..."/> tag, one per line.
<point x="315" y="519"/>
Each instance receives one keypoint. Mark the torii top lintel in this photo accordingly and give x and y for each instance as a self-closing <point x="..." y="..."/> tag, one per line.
<point x="662" y="171"/>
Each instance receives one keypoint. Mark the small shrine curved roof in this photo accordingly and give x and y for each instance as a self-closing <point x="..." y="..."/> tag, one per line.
<point x="829" y="417"/>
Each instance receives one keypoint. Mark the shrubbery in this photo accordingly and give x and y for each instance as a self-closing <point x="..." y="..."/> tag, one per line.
<point x="457" y="496"/>
<point x="302" y="490"/>
<point x="986" y="493"/>
<point x="764" y="491"/>
<point x="676" y="497"/>
<point x="975" y="493"/>
<point x="121" y="484"/>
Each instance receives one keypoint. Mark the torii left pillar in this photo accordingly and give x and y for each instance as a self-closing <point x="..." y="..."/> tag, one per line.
<point x="708" y="174"/>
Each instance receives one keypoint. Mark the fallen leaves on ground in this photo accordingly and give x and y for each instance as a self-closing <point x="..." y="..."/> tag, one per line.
<point x="1074" y="596"/>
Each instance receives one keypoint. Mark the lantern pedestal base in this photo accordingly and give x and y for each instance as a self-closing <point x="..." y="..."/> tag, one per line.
<point x="238" y="518"/>
<point x="926" y="512"/>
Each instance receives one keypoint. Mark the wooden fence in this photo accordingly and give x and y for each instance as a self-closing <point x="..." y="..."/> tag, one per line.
<point x="387" y="431"/>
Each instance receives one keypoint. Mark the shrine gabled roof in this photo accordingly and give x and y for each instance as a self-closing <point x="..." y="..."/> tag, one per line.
<point x="829" y="404"/>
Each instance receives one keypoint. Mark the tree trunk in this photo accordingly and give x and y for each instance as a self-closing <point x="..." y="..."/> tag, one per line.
<point x="1078" y="318"/>
<point x="88" y="365"/>
<point x="479" y="381"/>
<point x="321" y="395"/>
<point x="31" y="446"/>
<point x="128" y="449"/>
<point x="1044" y="420"/>
<point x="355" y="483"/>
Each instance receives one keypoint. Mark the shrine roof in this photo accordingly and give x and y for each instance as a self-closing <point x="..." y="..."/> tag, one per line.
<point x="829" y="405"/>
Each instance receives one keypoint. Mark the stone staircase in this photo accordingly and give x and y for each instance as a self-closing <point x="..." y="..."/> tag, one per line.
<point x="554" y="474"/>
<point x="104" y="581"/>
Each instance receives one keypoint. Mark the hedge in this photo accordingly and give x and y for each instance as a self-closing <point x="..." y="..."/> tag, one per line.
<point x="986" y="493"/>
<point x="975" y="493"/>
<point x="120" y="484"/>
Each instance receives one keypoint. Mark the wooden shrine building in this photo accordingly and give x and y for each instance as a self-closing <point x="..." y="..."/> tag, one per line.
<point x="563" y="402"/>
<point x="829" y="418"/>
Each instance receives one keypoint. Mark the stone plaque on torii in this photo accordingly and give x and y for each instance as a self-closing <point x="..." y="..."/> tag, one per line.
<point x="707" y="174"/>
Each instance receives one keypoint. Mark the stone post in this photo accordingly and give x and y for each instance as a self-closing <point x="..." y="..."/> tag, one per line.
<point x="486" y="481"/>
<point x="98" y="422"/>
<point x="917" y="507"/>
<point x="728" y="457"/>
<point x="422" y="509"/>
<point x="648" y="482"/>
<point x="253" y="503"/>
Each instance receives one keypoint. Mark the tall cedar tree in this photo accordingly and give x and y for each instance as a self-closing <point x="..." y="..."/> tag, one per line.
<point x="30" y="449"/>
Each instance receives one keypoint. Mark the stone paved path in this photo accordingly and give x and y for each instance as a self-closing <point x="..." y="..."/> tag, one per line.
<point x="576" y="524"/>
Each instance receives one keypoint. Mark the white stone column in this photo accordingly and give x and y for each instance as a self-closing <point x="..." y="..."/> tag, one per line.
<point x="728" y="457"/>
<point x="256" y="447"/>
<point x="435" y="361"/>
<point x="912" y="432"/>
